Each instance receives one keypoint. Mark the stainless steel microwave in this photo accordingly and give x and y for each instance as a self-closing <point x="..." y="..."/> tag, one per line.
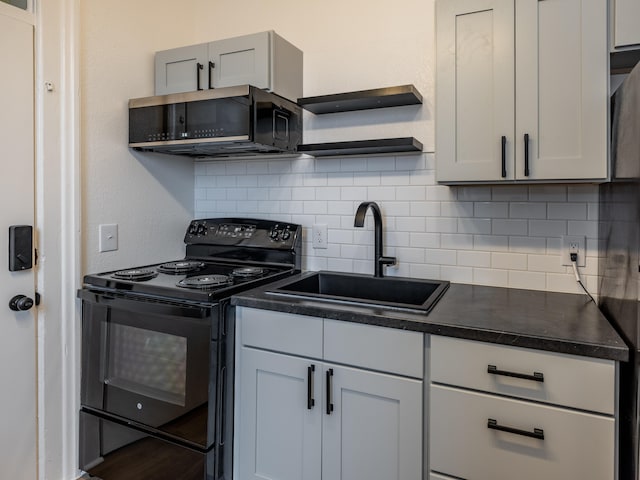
<point x="230" y="121"/>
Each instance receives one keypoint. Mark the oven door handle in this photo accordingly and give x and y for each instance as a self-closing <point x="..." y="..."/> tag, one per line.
<point x="145" y="305"/>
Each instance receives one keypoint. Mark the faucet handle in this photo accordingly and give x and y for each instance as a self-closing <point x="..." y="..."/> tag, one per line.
<point x="387" y="260"/>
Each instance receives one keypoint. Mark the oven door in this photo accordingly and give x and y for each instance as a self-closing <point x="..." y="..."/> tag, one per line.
<point x="151" y="362"/>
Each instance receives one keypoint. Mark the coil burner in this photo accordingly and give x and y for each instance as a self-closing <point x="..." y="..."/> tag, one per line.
<point x="181" y="267"/>
<point x="135" y="274"/>
<point x="204" y="282"/>
<point x="247" y="272"/>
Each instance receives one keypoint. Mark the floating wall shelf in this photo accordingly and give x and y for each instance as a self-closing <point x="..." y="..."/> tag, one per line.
<point x="399" y="96"/>
<point x="362" y="100"/>
<point x="362" y="147"/>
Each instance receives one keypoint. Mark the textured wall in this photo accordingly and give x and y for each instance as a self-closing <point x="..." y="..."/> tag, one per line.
<point x="149" y="197"/>
<point x="491" y="235"/>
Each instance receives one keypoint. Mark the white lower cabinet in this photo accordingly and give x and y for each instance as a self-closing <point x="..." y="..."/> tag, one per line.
<point x="305" y="418"/>
<point x="501" y="413"/>
<point x="374" y="430"/>
<point x="525" y="440"/>
<point x="279" y="437"/>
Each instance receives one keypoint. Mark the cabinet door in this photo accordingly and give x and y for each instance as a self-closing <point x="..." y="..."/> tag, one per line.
<point x="561" y="89"/>
<point x="181" y="69"/>
<point x="279" y="437"/>
<point x="575" y="445"/>
<point x="241" y="60"/>
<point x="626" y="19"/>
<point x="475" y="89"/>
<point x="374" y="431"/>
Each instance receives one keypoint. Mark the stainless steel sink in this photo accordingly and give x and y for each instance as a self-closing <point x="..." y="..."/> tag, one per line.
<point x="388" y="292"/>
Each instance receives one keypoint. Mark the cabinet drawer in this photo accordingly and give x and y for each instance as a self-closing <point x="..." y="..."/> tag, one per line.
<point x="579" y="382"/>
<point x="576" y="445"/>
<point x="281" y="332"/>
<point x="377" y="348"/>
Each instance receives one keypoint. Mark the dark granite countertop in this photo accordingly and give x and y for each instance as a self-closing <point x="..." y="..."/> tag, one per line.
<point x="557" y="322"/>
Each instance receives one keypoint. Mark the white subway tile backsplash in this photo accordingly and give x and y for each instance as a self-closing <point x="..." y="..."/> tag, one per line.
<point x="425" y="209"/>
<point x="529" y="280"/>
<point x="501" y="226"/>
<point x="491" y="243"/>
<point x="548" y="193"/>
<point x="456" y="209"/>
<point x="424" y="270"/>
<point x="567" y="211"/>
<point x="441" y="224"/>
<point x="528" y="210"/>
<point x="509" y="193"/>
<point x="424" y="240"/>
<point x="491" y="209"/>
<point x="411" y="193"/>
<point x="410" y="224"/>
<point x="474" y="225"/>
<point x="491" y="277"/>
<point x="587" y="228"/>
<point x="527" y="244"/>
<point x="474" y="259"/>
<point x="501" y="235"/>
<point x="456" y="274"/>
<point x="547" y="228"/>
<point x="457" y="241"/>
<point x="508" y="261"/>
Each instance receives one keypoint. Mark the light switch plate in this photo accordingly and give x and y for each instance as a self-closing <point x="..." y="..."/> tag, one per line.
<point x="108" y="237"/>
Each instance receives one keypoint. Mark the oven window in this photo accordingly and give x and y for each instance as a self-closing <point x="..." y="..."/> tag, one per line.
<point x="147" y="362"/>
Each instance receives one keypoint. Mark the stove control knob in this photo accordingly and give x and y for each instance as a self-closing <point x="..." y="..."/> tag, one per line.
<point x="286" y="234"/>
<point x="193" y="229"/>
<point x="274" y="234"/>
<point x="201" y="230"/>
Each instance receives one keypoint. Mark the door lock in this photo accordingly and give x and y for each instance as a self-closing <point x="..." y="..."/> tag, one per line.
<point x="20" y="303"/>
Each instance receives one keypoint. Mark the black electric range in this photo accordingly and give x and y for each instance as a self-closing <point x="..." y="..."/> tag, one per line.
<point x="158" y="356"/>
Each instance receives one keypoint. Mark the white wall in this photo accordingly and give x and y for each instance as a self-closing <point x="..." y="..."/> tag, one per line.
<point x="502" y="235"/>
<point x="150" y="197"/>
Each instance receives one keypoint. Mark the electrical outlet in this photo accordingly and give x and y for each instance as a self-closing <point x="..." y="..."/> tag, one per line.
<point x="108" y="237"/>
<point x="573" y="244"/>
<point x="319" y="236"/>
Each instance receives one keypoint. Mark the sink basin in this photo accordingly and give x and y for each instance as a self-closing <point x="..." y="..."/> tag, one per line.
<point x="388" y="292"/>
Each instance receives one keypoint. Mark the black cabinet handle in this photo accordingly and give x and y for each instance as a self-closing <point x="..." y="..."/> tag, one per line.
<point x="526" y="154"/>
<point x="211" y="67"/>
<point x="504" y="156"/>
<point x="199" y="67"/>
<point x="310" y="400"/>
<point x="536" y="377"/>
<point x="537" y="432"/>
<point x="329" y="391"/>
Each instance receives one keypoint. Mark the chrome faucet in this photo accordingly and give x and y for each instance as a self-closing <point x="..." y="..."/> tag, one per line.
<point x="378" y="259"/>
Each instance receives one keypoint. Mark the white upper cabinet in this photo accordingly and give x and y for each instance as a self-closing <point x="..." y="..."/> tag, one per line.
<point x="626" y="18"/>
<point x="264" y="60"/>
<point x="522" y="90"/>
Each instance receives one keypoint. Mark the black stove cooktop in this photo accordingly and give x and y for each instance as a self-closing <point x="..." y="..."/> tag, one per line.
<point x="206" y="280"/>
<point x="224" y="256"/>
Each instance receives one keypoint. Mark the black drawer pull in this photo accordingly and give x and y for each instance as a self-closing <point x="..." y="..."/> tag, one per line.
<point x="329" y="392"/>
<point x="310" y="400"/>
<point x="536" y="377"/>
<point x="537" y="432"/>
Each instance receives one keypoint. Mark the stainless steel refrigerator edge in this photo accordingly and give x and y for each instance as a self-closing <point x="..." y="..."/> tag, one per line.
<point x="619" y="263"/>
